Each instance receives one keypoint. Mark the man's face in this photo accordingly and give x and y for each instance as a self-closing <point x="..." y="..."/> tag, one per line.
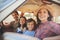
<point x="15" y="15"/>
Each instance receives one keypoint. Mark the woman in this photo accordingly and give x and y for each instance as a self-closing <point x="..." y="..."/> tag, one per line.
<point x="22" y="26"/>
<point x="46" y="27"/>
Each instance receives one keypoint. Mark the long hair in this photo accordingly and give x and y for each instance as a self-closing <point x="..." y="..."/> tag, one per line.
<point x="24" y="25"/>
<point x="49" y="18"/>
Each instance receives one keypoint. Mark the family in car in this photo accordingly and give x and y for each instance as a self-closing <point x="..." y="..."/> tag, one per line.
<point x="44" y="27"/>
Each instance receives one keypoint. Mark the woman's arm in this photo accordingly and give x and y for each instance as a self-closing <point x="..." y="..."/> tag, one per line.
<point x="55" y="28"/>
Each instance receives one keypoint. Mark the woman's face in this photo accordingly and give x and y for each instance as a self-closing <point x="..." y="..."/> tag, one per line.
<point x="22" y="21"/>
<point x="43" y="14"/>
<point x="30" y="26"/>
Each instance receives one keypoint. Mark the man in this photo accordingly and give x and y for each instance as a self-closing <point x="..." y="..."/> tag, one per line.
<point x="15" y="23"/>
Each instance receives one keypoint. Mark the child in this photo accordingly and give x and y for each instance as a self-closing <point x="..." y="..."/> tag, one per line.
<point x="30" y="27"/>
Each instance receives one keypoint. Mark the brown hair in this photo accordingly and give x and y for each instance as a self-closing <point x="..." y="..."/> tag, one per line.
<point x="15" y="12"/>
<point x="30" y="20"/>
<point x="49" y="18"/>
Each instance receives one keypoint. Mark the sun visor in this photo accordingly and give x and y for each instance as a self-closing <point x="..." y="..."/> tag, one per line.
<point x="8" y="6"/>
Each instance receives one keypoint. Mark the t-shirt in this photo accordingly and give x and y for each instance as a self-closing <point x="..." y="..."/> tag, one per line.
<point x="14" y="25"/>
<point x="29" y="33"/>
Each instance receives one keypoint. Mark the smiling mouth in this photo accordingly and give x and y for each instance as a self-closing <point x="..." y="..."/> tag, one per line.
<point x="42" y="17"/>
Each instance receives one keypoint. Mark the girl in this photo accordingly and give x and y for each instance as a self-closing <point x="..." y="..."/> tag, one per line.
<point x="46" y="27"/>
<point x="22" y="26"/>
<point x="31" y="26"/>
